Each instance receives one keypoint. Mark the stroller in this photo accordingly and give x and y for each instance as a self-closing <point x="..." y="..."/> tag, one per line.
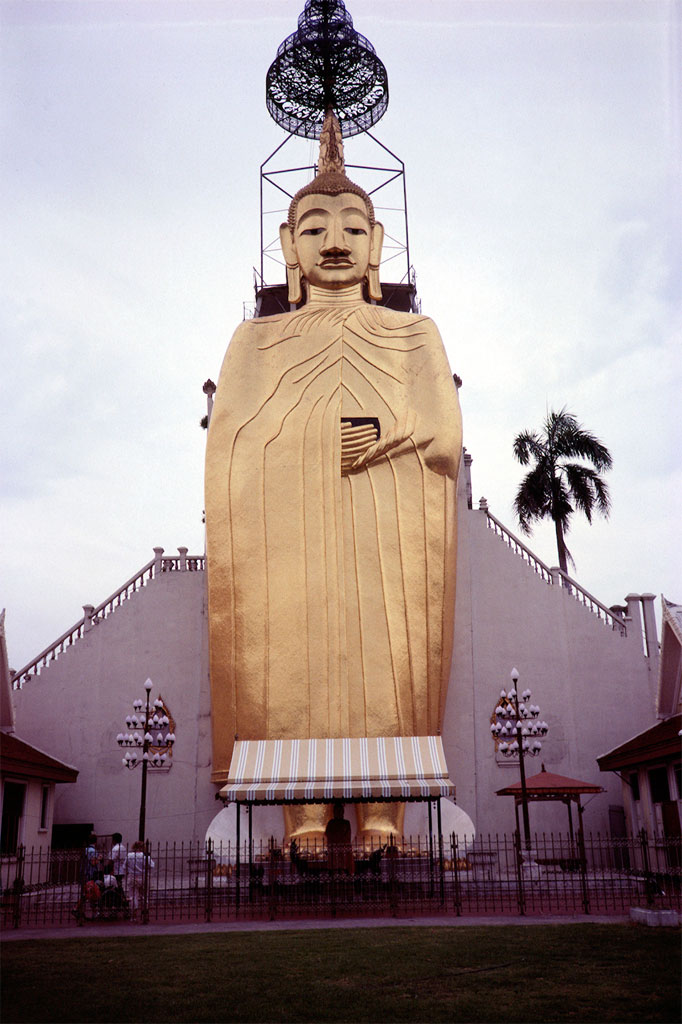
<point x="102" y="899"/>
<point x="113" y="902"/>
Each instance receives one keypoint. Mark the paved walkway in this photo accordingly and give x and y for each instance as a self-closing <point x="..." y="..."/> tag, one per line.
<point x="117" y="929"/>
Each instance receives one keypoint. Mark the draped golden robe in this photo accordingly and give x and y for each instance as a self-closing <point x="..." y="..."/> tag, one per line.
<point x="331" y="596"/>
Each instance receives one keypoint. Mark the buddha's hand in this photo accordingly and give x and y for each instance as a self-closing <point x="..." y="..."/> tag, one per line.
<point x="356" y="440"/>
<point x="402" y="430"/>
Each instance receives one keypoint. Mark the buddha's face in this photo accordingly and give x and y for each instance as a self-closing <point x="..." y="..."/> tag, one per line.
<point x="333" y="240"/>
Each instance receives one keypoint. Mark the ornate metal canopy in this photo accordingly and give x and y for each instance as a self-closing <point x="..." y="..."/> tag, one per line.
<point x="324" y="64"/>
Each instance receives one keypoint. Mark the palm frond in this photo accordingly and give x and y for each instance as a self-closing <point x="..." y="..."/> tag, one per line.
<point x="568" y="439"/>
<point x="586" y="446"/>
<point x="527" y="445"/>
<point x="588" y="489"/>
<point x="533" y="498"/>
<point x="603" y="496"/>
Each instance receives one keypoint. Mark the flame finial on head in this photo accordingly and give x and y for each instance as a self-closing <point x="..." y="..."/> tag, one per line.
<point x="331" y="146"/>
<point x="331" y="179"/>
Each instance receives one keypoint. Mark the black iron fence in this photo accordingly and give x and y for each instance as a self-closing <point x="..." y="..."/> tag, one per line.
<point x="199" y="881"/>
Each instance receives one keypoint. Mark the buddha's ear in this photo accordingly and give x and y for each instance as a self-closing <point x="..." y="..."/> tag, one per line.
<point x="291" y="259"/>
<point x="376" y="242"/>
<point x="286" y="240"/>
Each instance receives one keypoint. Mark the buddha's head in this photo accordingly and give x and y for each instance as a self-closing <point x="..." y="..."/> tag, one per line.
<point x="331" y="239"/>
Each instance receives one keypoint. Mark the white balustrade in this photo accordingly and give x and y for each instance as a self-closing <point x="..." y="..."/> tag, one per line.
<point x="92" y="616"/>
<point x="554" y="576"/>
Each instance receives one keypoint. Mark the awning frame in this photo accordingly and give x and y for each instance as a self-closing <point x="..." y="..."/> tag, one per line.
<point x="413" y="769"/>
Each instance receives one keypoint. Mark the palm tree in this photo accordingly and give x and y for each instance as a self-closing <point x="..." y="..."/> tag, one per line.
<point x="556" y="487"/>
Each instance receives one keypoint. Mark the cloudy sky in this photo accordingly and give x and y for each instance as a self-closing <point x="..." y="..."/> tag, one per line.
<point x="542" y="145"/>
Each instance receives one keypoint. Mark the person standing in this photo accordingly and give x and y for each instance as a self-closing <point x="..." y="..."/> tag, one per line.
<point x="90" y="872"/>
<point x="119" y="853"/>
<point x="138" y="864"/>
<point x="92" y="860"/>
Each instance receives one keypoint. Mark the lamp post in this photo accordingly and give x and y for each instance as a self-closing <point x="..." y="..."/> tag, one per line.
<point x="519" y="731"/>
<point x="147" y="716"/>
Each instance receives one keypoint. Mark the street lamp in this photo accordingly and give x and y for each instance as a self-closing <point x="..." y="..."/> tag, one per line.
<point x="518" y="732"/>
<point x="147" y="742"/>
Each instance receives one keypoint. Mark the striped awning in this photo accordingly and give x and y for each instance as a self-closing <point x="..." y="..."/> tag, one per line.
<point x="317" y="771"/>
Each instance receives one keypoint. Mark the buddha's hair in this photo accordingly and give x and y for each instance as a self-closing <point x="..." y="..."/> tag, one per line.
<point x="330" y="183"/>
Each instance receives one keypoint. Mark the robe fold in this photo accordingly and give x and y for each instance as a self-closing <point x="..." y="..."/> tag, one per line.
<point x="331" y="595"/>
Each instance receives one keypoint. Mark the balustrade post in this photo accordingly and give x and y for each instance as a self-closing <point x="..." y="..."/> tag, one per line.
<point x="88" y="611"/>
<point x="634" y="606"/>
<point x="183" y="558"/>
<point x="650" y="632"/>
<point x="556" y="575"/>
<point x="158" y="552"/>
<point x="467" y="460"/>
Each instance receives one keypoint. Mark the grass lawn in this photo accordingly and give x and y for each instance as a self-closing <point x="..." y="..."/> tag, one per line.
<point x="572" y="972"/>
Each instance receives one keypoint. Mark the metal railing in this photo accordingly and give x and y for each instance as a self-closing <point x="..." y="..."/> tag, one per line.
<point x="182" y="562"/>
<point x="555" y="576"/>
<point x="196" y="881"/>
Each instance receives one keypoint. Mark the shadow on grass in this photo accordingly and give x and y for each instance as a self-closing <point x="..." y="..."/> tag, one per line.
<point x="539" y="973"/>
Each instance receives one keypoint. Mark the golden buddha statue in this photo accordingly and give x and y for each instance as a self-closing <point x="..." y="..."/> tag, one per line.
<point x="331" y="468"/>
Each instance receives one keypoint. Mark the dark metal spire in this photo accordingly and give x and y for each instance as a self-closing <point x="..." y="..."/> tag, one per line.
<point x="324" y="64"/>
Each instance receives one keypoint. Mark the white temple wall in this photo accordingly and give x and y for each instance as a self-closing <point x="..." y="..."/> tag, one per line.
<point x="79" y="702"/>
<point x="594" y="686"/>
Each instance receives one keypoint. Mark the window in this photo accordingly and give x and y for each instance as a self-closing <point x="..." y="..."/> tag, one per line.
<point x="12" y="813"/>
<point x="658" y="784"/>
<point x="44" y="805"/>
<point x="677" y="771"/>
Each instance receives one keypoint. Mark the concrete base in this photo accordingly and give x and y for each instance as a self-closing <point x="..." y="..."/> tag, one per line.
<point x="269" y="822"/>
<point x="655" y="918"/>
<point x="530" y="868"/>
